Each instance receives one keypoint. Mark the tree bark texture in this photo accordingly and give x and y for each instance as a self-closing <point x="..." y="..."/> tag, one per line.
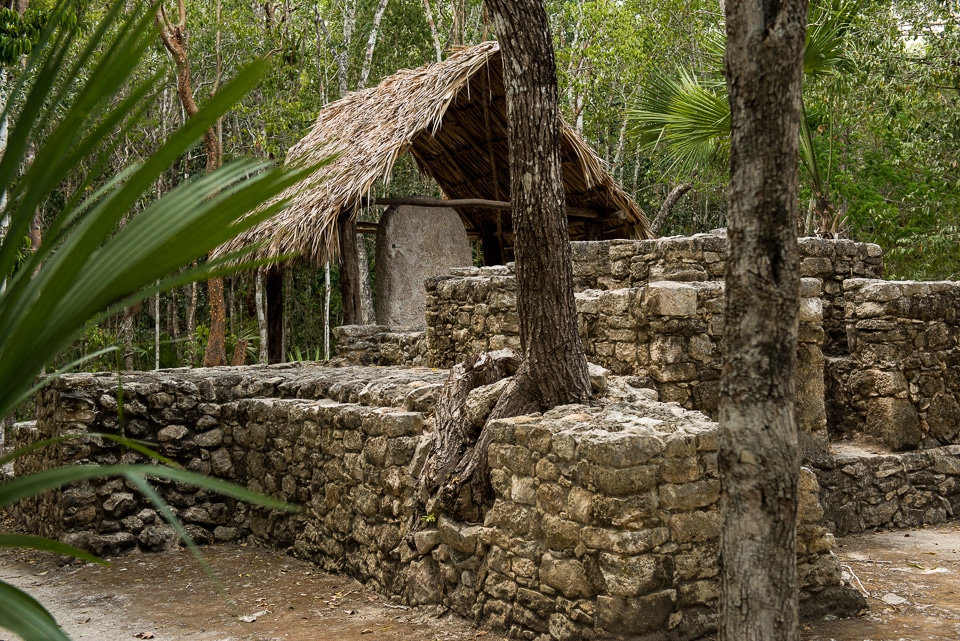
<point x="459" y="446"/>
<point x="174" y="38"/>
<point x="758" y="454"/>
<point x="554" y="369"/>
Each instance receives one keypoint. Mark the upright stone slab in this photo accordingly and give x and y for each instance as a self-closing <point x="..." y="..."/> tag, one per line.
<point x="413" y="244"/>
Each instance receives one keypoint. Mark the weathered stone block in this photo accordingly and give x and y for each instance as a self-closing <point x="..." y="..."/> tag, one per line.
<point x="669" y="298"/>
<point x="632" y="575"/>
<point x="689" y="496"/>
<point x="638" y="615"/>
<point x="694" y="527"/>
<point x="894" y="421"/>
<point x="567" y="576"/>
<point x="619" y="449"/>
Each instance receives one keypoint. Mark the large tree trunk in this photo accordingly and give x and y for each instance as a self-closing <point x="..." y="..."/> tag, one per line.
<point x="758" y="457"/>
<point x="174" y="38"/>
<point x="553" y="369"/>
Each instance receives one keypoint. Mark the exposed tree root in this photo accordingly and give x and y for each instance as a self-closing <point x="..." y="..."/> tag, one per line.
<point x="460" y="447"/>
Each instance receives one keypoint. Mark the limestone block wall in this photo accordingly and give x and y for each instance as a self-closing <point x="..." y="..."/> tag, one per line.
<point x="607" y="519"/>
<point x="665" y="333"/>
<point x="381" y="345"/>
<point x="899" y="379"/>
<point x="604" y="521"/>
<point x="616" y="264"/>
<point x="245" y="424"/>
<point x="861" y="490"/>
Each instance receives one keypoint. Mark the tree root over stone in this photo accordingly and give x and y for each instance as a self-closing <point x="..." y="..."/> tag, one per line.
<point x="455" y="478"/>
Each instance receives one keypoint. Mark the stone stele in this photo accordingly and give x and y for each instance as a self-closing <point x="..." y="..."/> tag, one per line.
<point x="413" y="244"/>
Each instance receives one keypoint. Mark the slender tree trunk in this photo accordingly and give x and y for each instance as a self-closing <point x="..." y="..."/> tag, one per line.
<point x="326" y="311"/>
<point x="758" y="453"/>
<point x="261" y="318"/>
<point x="367" y="314"/>
<point x="156" y="331"/>
<point x="126" y="328"/>
<point x="668" y="204"/>
<point x="433" y="30"/>
<point x="192" y="315"/>
<point x="174" y="38"/>
<point x="173" y="323"/>
<point x="372" y="43"/>
<point x="350" y="272"/>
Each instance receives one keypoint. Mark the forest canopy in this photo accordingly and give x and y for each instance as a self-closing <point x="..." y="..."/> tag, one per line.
<point x="883" y="122"/>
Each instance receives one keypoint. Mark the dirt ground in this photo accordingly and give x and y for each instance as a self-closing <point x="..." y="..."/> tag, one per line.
<point x="912" y="577"/>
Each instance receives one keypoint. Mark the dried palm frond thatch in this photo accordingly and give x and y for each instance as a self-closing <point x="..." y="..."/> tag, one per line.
<point x="451" y="116"/>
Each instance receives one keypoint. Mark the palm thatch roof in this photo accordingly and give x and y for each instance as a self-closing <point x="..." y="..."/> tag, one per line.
<point x="451" y="116"/>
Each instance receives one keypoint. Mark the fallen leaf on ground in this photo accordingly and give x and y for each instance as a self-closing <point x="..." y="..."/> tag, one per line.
<point x="143" y="635"/>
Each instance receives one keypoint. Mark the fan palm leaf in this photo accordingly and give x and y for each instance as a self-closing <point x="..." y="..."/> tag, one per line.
<point x="689" y="118"/>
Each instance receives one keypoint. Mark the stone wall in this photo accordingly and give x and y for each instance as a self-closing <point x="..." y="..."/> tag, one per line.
<point x="899" y="379"/>
<point x="604" y="524"/>
<point x="381" y="345"/>
<point x="220" y="421"/>
<point x="616" y="264"/>
<point x="863" y="490"/>
<point x="665" y="333"/>
<point x="875" y="357"/>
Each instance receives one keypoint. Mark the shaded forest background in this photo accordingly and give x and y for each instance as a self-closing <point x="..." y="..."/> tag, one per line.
<point x="884" y="122"/>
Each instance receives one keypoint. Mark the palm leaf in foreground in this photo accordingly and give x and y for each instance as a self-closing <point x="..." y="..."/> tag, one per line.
<point x="86" y="266"/>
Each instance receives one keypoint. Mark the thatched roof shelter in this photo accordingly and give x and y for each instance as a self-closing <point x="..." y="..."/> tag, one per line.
<point x="451" y="116"/>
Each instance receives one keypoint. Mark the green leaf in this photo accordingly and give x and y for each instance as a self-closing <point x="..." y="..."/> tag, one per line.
<point x="23" y="615"/>
<point x="33" y="484"/>
<point x="46" y="545"/>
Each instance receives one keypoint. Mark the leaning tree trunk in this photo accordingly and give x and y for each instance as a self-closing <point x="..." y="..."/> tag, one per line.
<point x="553" y="370"/>
<point x="758" y="453"/>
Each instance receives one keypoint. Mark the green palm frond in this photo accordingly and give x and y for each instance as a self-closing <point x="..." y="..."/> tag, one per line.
<point x="827" y="33"/>
<point x="687" y="117"/>
<point x="70" y="98"/>
<point x="86" y="266"/>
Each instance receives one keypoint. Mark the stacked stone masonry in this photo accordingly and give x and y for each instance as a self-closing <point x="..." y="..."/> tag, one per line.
<point x="605" y="518"/>
<point x="877" y="360"/>
<point x="899" y="380"/>
<point x="604" y="525"/>
<point x="864" y="490"/>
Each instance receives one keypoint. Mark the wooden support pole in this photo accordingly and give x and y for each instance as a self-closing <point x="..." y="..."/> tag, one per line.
<point x="349" y="270"/>
<point x="274" y="287"/>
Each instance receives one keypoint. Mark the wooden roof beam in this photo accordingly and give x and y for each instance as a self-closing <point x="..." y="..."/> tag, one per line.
<point x="480" y="203"/>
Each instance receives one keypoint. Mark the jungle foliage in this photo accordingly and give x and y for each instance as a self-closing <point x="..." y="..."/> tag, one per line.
<point x="881" y="109"/>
